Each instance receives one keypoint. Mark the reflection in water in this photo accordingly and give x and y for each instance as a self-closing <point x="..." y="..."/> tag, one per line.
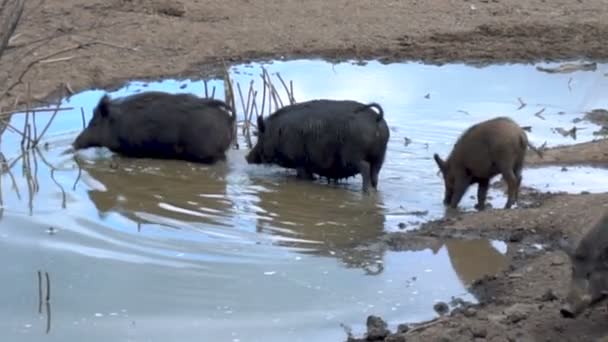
<point x="473" y="259"/>
<point x="259" y="254"/>
<point x="161" y="192"/>
<point x="324" y="221"/>
<point x="46" y="298"/>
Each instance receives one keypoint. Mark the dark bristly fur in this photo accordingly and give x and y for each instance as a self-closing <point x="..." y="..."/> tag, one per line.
<point x="330" y="138"/>
<point x="484" y="150"/>
<point x="589" y="278"/>
<point x="161" y="125"/>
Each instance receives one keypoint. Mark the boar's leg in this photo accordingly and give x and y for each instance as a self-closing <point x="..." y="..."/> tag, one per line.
<point x="460" y="187"/>
<point x="304" y="173"/>
<point x="375" y="170"/>
<point x="482" y="192"/>
<point x="511" y="179"/>
<point x="365" y="171"/>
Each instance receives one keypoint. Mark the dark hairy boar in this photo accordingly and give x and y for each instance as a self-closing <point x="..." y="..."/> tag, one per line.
<point x="589" y="279"/>
<point x="161" y="125"/>
<point x="335" y="139"/>
<point x="484" y="150"/>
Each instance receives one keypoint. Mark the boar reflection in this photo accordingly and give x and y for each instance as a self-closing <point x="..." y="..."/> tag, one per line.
<point x="161" y="192"/>
<point x="325" y="221"/>
<point x="474" y="259"/>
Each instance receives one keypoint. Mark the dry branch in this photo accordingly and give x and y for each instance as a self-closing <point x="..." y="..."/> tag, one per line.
<point x="10" y="14"/>
<point x="34" y="62"/>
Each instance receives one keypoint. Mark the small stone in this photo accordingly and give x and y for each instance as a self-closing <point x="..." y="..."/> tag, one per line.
<point x="548" y="296"/>
<point x="479" y="331"/>
<point x="403" y="328"/>
<point x="516" y="236"/>
<point x="441" y="308"/>
<point x="496" y="318"/>
<point x="517" y="312"/>
<point x="470" y="312"/>
<point x="376" y="328"/>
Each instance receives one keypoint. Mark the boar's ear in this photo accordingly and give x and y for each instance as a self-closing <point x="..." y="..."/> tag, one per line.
<point x="440" y="162"/>
<point x="103" y="107"/>
<point x="261" y="127"/>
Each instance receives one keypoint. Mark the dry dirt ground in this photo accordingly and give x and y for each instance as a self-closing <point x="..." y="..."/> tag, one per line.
<point x="89" y="43"/>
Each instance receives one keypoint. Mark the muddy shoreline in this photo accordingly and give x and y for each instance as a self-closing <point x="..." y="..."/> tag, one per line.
<point x="522" y="302"/>
<point x="152" y="39"/>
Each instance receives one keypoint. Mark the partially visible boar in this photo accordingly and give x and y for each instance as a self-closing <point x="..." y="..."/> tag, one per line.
<point x="161" y="125"/>
<point x="335" y="139"/>
<point x="484" y="150"/>
<point x="589" y="280"/>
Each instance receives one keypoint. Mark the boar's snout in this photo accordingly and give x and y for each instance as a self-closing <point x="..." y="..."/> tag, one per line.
<point x="576" y="302"/>
<point x="79" y="142"/>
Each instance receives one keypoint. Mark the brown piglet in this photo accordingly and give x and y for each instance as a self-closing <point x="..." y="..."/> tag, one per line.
<point x="484" y="150"/>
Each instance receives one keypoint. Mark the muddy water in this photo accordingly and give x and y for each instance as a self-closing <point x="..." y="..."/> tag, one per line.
<point x="145" y="250"/>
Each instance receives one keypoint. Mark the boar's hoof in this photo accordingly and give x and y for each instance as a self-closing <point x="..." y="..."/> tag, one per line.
<point x="480" y="206"/>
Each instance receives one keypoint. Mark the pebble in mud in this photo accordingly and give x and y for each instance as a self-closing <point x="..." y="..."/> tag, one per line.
<point x="441" y="308"/>
<point x="376" y="328"/>
<point x="403" y="328"/>
<point x="548" y="296"/>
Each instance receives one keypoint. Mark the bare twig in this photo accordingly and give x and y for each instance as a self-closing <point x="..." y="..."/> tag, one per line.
<point x="36" y="61"/>
<point x="48" y="287"/>
<point x="27" y="112"/>
<point x="39" y="292"/>
<point x="55" y="60"/>
<point x="10" y="14"/>
<point x="100" y="42"/>
<point x="538" y="114"/>
<point x="82" y="117"/>
<point x="522" y="104"/>
<point x="292" y="100"/>
<point x="35" y="143"/>
<point x="39" y="110"/>
<point x="69" y="88"/>
<point x="63" y="195"/>
<point x="424" y="326"/>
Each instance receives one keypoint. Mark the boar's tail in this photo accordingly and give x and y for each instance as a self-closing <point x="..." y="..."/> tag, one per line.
<point x="372" y="105"/>
<point x="533" y="148"/>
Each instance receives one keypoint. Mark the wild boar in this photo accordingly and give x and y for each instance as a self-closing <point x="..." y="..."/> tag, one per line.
<point x="335" y="139"/>
<point x="161" y="125"/>
<point x="589" y="279"/>
<point x="488" y="148"/>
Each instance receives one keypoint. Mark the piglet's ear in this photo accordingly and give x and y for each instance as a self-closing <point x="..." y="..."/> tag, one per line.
<point x="103" y="107"/>
<point x="261" y="127"/>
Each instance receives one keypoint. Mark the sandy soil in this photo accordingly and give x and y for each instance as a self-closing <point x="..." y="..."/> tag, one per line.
<point x="88" y="43"/>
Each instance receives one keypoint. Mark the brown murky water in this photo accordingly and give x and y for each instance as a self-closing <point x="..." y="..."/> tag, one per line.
<point x="148" y="250"/>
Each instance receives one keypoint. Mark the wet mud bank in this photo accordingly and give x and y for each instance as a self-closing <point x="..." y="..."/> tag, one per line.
<point x="521" y="302"/>
<point x="159" y="38"/>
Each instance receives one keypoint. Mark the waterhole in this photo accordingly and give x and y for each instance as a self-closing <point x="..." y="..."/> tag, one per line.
<point x="150" y="250"/>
